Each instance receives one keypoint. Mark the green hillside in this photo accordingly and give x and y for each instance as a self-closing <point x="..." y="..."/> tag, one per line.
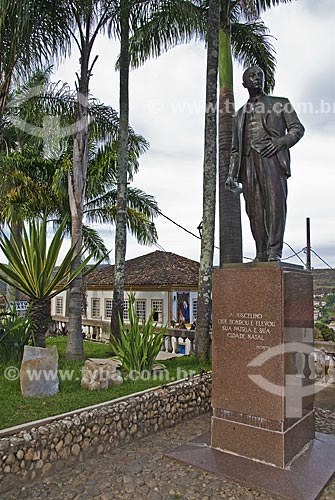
<point x="324" y="281"/>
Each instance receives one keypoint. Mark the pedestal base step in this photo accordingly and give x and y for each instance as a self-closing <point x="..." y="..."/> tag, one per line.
<point x="304" y="480"/>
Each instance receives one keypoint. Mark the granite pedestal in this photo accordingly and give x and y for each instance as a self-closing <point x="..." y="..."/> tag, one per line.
<point x="262" y="431"/>
<point x="262" y="399"/>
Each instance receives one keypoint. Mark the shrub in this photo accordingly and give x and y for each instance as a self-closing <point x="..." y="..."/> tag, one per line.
<point x="15" y="332"/>
<point x="139" y="345"/>
<point x="326" y="332"/>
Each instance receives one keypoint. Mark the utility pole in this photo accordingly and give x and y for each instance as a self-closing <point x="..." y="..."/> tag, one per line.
<point x="308" y="246"/>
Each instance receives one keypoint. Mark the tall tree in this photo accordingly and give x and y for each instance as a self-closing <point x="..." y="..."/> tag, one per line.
<point x="209" y="185"/>
<point x="136" y="17"/>
<point x="36" y="23"/>
<point x="93" y="17"/>
<point x="37" y="184"/>
<point x="121" y="227"/>
<point x="244" y="36"/>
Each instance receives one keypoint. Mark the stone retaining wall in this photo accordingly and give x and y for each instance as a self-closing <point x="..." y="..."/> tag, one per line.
<point x="35" y="449"/>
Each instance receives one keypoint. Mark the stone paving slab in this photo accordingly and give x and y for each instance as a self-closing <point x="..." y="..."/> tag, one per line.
<point x="139" y="470"/>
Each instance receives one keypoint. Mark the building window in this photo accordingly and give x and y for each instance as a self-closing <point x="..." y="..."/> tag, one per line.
<point x="126" y="310"/>
<point x="157" y="310"/>
<point x="109" y="305"/>
<point x="194" y="308"/>
<point x="59" y="306"/>
<point x="95" y="308"/>
<point x="140" y="309"/>
<point x="108" y="308"/>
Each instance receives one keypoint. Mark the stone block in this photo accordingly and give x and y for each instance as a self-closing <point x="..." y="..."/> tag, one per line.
<point x="98" y="376"/>
<point x="38" y="374"/>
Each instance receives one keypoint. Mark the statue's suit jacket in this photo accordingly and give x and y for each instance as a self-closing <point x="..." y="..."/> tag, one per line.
<point x="279" y="120"/>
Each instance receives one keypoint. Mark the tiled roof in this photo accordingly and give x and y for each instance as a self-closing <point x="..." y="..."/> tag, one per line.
<point x="154" y="269"/>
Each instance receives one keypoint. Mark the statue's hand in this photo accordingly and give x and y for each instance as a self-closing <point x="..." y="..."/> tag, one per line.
<point x="232" y="184"/>
<point x="275" y="145"/>
<point x="229" y="182"/>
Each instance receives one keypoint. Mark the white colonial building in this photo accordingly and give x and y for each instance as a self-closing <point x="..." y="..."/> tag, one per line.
<point x="164" y="283"/>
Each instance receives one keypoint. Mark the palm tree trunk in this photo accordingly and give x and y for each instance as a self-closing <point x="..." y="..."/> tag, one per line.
<point x="209" y="187"/>
<point x="40" y="315"/>
<point x="229" y="203"/>
<point x="121" y="221"/>
<point x="4" y="91"/>
<point x="76" y="185"/>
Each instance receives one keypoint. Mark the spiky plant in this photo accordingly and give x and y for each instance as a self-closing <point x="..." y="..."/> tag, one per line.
<point x="32" y="269"/>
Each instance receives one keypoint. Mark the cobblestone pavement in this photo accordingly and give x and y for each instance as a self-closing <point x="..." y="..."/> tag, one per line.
<point x="139" y="471"/>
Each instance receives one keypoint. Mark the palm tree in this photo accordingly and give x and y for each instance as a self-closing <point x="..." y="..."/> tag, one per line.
<point x="209" y="185"/>
<point x="246" y="38"/>
<point x="36" y="183"/>
<point x="91" y="18"/>
<point x="121" y="228"/>
<point x="137" y="17"/>
<point x="32" y="269"/>
<point x="87" y="20"/>
<point x="37" y="24"/>
<point x="33" y="183"/>
<point x="20" y="23"/>
<point x="242" y="35"/>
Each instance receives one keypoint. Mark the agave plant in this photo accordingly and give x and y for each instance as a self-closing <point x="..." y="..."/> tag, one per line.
<point x="138" y="345"/>
<point x="32" y="269"/>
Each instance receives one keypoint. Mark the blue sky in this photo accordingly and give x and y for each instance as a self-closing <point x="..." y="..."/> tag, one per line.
<point x="167" y="98"/>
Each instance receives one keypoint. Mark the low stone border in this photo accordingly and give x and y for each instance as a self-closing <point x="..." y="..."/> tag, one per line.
<point x="34" y="450"/>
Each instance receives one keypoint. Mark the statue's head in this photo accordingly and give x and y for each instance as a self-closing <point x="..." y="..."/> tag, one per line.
<point x="253" y="79"/>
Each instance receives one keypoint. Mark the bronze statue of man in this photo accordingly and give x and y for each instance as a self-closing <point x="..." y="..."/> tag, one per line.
<point x="264" y="130"/>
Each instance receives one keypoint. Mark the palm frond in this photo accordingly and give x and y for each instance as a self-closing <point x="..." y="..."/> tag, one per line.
<point x="141" y="227"/>
<point x="167" y="24"/>
<point x="252" y="9"/>
<point x="44" y="25"/>
<point x="95" y="244"/>
<point x="137" y="200"/>
<point x="251" y="45"/>
<point x="267" y="4"/>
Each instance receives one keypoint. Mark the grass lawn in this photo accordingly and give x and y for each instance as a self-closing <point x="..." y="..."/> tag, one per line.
<point x="15" y="409"/>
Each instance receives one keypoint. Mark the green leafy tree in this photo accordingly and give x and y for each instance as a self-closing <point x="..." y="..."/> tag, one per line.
<point x="323" y="331"/>
<point x="87" y="19"/>
<point x="32" y="269"/>
<point x="327" y="311"/>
